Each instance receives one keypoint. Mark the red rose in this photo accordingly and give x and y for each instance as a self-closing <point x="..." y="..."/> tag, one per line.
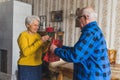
<point x="50" y="29"/>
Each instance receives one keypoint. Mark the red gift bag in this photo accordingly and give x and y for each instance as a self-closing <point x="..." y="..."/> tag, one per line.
<point x="51" y="57"/>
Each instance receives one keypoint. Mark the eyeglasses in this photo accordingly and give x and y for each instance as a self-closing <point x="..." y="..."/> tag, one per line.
<point x="79" y="17"/>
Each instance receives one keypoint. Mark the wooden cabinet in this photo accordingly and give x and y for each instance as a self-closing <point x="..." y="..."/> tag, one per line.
<point x="115" y="69"/>
<point x="59" y="33"/>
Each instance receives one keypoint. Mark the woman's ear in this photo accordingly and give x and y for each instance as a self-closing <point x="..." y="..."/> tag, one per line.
<point x="27" y="25"/>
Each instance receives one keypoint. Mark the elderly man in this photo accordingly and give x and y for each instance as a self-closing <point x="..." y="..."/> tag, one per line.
<point x="89" y="54"/>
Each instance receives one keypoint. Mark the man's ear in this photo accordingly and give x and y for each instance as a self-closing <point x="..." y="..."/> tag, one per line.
<point x="86" y="16"/>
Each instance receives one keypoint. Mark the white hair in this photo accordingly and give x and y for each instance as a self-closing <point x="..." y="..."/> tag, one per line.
<point x="29" y="19"/>
<point x="90" y="12"/>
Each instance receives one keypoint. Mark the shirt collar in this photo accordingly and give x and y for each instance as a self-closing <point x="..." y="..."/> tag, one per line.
<point x="89" y="26"/>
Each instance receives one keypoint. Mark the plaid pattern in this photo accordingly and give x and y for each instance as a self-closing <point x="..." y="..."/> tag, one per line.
<point x="89" y="55"/>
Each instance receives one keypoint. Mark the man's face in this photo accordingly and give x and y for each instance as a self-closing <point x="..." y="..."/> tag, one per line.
<point x="82" y="21"/>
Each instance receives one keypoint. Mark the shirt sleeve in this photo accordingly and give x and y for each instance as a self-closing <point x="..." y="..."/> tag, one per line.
<point x="26" y="49"/>
<point x="81" y="50"/>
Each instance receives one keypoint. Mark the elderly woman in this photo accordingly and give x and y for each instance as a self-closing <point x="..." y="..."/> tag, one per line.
<point x="31" y="45"/>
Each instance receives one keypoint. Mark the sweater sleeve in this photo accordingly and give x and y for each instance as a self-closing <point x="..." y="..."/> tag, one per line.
<point x="45" y="47"/>
<point x="26" y="49"/>
<point x="81" y="50"/>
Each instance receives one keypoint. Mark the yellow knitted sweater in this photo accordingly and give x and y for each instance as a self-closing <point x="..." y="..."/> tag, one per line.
<point x="31" y="49"/>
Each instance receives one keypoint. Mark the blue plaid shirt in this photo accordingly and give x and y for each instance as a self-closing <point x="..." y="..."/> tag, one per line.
<point x="89" y="55"/>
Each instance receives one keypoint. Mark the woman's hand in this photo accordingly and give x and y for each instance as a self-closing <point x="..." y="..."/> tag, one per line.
<point x="45" y="38"/>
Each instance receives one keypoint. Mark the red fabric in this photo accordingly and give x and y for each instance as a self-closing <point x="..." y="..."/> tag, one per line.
<point x="57" y="42"/>
<point x="51" y="57"/>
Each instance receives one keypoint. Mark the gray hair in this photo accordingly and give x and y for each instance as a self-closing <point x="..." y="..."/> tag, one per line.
<point x="90" y="12"/>
<point x="29" y="19"/>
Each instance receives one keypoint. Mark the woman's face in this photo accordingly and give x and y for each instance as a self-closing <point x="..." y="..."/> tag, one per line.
<point x="33" y="27"/>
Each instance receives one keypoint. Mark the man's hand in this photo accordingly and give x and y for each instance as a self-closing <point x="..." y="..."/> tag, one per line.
<point x="52" y="48"/>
